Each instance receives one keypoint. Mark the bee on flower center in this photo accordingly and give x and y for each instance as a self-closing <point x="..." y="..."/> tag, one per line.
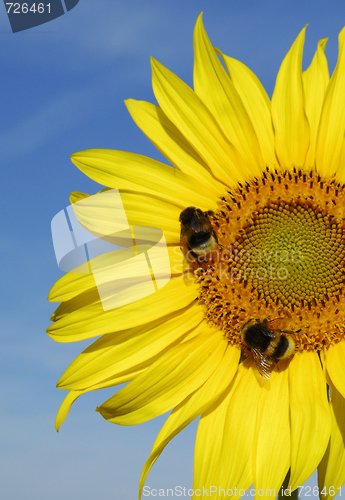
<point x="198" y="238"/>
<point x="267" y="343"/>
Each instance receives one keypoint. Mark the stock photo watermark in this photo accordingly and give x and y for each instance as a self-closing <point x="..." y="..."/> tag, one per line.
<point x="212" y="491"/>
<point x="28" y="14"/>
<point x="93" y="236"/>
<point x="234" y="265"/>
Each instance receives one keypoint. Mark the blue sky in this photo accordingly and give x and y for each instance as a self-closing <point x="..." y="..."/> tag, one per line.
<point x="63" y="85"/>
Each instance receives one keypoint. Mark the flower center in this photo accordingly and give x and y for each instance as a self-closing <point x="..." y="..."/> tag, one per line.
<point x="281" y="255"/>
<point x="292" y="254"/>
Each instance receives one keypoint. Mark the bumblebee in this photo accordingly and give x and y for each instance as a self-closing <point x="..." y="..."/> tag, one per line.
<point x="267" y="344"/>
<point x="198" y="238"/>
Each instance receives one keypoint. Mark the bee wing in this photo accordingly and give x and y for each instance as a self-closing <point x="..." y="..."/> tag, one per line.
<point x="200" y="221"/>
<point x="263" y="363"/>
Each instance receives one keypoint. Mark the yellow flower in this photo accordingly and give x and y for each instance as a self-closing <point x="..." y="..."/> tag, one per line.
<point x="272" y="173"/>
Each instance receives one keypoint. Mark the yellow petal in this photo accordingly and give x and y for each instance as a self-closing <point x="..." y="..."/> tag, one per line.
<point x="331" y="471"/>
<point x="341" y="167"/>
<point x="117" y="284"/>
<point x="70" y="285"/>
<point x="171" y="143"/>
<point x="103" y="217"/>
<point x="224" y="441"/>
<point x="310" y="416"/>
<point x="65" y="407"/>
<point x="119" y="169"/>
<point x="214" y="87"/>
<point x="315" y="81"/>
<point x="174" y="376"/>
<point x="91" y="321"/>
<point x="144" y="210"/>
<point x="256" y="103"/>
<point x="74" y="283"/>
<point x="118" y="281"/>
<point x="271" y="450"/>
<point x="208" y="444"/>
<point x="101" y="371"/>
<point x="289" y="120"/>
<point x="193" y="406"/>
<point x="238" y="438"/>
<point x="335" y="365"/>
<point x="114" y="354"/>
<point x="189" y="114"/>
<point x="332" y="122"/>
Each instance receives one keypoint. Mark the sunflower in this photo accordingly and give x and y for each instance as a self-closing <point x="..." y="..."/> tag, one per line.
<point x="267" y="177"/>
